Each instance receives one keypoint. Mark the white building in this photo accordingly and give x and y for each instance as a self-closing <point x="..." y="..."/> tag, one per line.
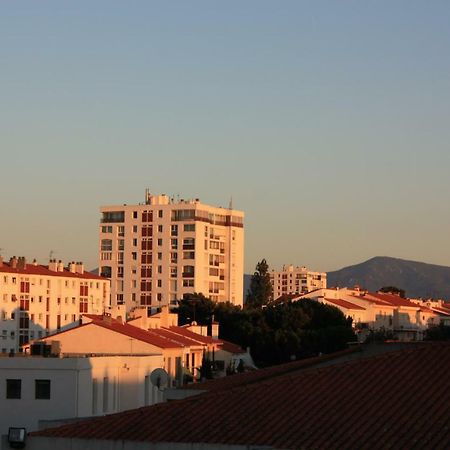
<point x="35" y="389"/>
<point x="157" y="251"/>
<point x="36" y="300"/>
<point x="375" y="311"/>
<point x="294" y="280"/>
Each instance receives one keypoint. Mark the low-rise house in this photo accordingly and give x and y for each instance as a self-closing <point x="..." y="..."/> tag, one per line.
<point x="403" y="318"/>
<point x="34" y="389"/>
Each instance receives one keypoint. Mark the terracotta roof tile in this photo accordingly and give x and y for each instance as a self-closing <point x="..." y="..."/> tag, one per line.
<point x="31" y="269"/>
<point x="395" y="400"/>
<point x="344" y="304"/>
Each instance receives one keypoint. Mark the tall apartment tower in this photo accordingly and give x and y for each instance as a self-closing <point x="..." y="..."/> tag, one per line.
<point x="159" y="250"/>
<point x="296" y="280"/>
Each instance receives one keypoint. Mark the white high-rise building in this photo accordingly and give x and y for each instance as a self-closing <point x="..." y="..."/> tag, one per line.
<point x="296" y="280"/>
<point x="159" y="250"/>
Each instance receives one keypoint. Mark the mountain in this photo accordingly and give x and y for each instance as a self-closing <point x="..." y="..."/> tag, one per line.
<point x="418" y="279"/>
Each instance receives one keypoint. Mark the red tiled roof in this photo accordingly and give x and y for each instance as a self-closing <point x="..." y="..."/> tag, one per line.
<point x="230" y="347"/>
<point x="344" y="303"/>
<point x="368" y="298"/>
<point x="150" y="337"/>
<point x="174" y="337"/>
<point x="31" y="269"/>
<point x="386" y="401"/>
<point x="204" y="340"/>
<point x="393" y="299"/>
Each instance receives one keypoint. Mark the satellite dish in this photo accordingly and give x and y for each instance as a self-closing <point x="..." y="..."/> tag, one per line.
<point x="159" y="378"/>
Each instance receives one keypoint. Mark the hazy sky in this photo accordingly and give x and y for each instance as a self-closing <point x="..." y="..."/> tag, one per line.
<point x="328" y="122"/>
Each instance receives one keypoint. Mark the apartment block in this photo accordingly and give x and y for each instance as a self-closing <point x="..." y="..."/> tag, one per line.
<point x="293" y="280"/>
<point x="157" y="251"/>
<point x="36" y="299"/>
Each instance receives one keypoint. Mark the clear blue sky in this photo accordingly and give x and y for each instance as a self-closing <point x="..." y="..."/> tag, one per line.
<point x="328" y="122"/>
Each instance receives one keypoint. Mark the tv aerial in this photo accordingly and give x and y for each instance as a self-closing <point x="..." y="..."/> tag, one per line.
<point x="159" y="378"/>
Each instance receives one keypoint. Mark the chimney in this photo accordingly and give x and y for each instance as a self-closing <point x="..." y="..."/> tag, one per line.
<point x="60" y="266"/>
<point x="34" y="262"/>
<point x="53" y="265"/>
<point x="72" y="267"/>
<point x="21" y="263"/>
<point x="79" y="268"/>
<point x="13" y="262"/>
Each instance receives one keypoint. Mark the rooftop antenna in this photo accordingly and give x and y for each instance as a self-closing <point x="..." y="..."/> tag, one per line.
<point x="50" y="255"/>
<point x="231" y="203"/>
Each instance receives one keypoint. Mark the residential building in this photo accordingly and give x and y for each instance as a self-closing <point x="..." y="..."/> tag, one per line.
<point x="354" y="400"/>
<point x="36" y="299"/>
<point x="293" y="280"/>
<point x="158" y="251"/>
<point x="36" y="389"/>
<point x="404" y="318"/>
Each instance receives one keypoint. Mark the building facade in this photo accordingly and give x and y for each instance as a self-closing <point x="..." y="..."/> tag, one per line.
<point x="36" y="300"/>
<point x="158" y="251"/>
<point x="294" y="280"/>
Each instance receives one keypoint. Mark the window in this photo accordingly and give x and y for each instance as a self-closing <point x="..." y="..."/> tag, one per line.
<point x="135" y="214"/>
<point x="160" y="242"/>
<point x="189" y="227"/>
<point x="13" y="388"/>
<point x="106" y="245"/>
<point x="107" y="229"/>
<point x="174" y="230"/>
<point x="160" y="213"/>
<point x="159" y="283"/>
<point x="174" y="244"/>
<point x="160" y="228"/>
<point x="42" y="389"/>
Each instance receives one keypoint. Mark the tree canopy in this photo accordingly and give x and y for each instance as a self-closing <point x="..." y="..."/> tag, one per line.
<point x="276" y="333"/>
<point x="260" y="292"/>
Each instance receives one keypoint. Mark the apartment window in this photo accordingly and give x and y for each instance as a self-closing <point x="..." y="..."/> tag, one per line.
<point x="121" y="245"/>
<point x="189" y="227"/>
<point x="121" y="230"/>
<point x="106" y="256"/>
<point x="135" y="228"/>
<point x="160" y="242"/>
<point x="160" y="228"/>
<point x="160" y="213"/>
<point x="42" y="389"/>
<point x="174" y="230"/>
<point x="147" y="216"/>
<point x="13" y="388"/>
<point x="173" y="272"/>
<point x="135" y="243"/>
<point x="147" y="231"/>
<point x="159" y="297"/>
<point x="188" y="255"/>
<point x="134" y="256"/>
<point x="106" y="245"/>
<point x="159" y="269"/>
<point x="146" y="286"/>
<point x="146" y="258"/>
<point x="174" y="244"/>
<point x="174" y="257"/>
<point x="120" y="271"/>
<point x="160" y="256"/>
<point x="188" y="283"/>
<point x="189" y="244"/>
<point x="135" y="214"/>
<point x="159" y="283"/>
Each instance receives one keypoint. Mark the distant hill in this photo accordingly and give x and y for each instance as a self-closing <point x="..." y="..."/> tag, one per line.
<point x="418" y="279"/>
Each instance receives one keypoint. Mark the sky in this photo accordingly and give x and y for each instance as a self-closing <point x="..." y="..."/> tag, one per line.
<point x="326" y="122"/>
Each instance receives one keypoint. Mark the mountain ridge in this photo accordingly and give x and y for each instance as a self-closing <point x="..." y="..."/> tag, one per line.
<point x="417" y="278"/>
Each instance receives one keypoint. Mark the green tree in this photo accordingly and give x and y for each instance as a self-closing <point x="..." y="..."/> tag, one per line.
<point x="195" y="308"/>
<point x="393" y="290"/>
<point x="260" y="292"/>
